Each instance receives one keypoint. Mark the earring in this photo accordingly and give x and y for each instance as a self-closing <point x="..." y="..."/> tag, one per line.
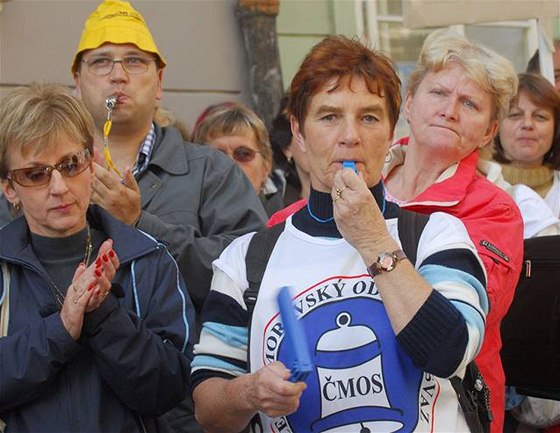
<point x="17" y="207"/>
<point x="290" y="159"/>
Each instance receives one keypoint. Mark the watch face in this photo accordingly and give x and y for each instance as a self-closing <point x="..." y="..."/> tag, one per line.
<point x="386" y="262"/>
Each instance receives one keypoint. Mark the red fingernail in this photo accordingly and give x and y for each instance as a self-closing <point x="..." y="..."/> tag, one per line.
<point x="112" y="253"/>
<point x="105" y="258"/>
<point x="91" y="286"/>
<point x="98" y="262"/>
<point x="98" y="273"/>
<point x="98" y="292"/>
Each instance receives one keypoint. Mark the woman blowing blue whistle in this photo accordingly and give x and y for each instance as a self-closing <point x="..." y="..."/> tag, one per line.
<point x="382" y="332"/>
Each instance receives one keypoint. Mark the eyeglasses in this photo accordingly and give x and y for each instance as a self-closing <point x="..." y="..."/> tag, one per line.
<point x="71" y="166"/>
<point x="244" y="154"/>
<point x="135" y="65"/>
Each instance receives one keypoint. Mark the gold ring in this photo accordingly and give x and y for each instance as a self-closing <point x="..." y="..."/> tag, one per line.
<point x="339" y="190"/>
<point x="338" y="196"/>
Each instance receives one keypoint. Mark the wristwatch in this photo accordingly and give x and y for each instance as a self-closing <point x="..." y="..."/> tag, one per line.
<point x="386" y="262"/>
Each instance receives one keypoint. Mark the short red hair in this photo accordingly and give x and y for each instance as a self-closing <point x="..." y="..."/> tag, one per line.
<point x="342" y="58"/>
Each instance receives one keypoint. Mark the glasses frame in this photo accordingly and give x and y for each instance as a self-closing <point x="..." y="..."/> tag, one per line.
<point x="253" y="153"/>
<point x="59" y="166"/>
<point x="122" y="61"/>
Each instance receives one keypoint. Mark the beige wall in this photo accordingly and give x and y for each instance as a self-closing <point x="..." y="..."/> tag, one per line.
<point x="303" y="23"/>
<point x="199" y="38"/>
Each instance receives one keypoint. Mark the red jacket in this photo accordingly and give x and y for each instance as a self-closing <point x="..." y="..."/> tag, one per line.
<point x="495" y="226"/>
<point x="283" y="214"/>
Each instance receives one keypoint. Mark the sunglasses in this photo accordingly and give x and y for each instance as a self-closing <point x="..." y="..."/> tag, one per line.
<point x="70" y="166"/>
<point x="244" y="154"/>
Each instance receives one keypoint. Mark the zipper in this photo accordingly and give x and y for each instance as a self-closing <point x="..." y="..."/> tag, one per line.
<point x="530" y="264"/>
<point x="539" y="263"/>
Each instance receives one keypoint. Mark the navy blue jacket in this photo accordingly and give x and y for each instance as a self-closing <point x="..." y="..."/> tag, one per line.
<point x="132" y="360"/>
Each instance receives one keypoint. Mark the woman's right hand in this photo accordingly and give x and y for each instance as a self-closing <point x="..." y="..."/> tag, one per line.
<point x="90" y="286"/>
<point x="271" y="392"/>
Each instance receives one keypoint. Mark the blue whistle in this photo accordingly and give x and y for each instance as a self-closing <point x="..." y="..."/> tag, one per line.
<point x="350" y="164"/>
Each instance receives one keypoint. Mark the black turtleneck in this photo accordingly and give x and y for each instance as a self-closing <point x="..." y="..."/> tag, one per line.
<point x="321" y="205"/>
<point x="61" y="256"/>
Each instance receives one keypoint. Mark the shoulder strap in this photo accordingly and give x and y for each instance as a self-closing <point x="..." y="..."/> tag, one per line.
<point x="259" y="251"/>
<point x="5" y="300"/>
<point x="411" y="225"/>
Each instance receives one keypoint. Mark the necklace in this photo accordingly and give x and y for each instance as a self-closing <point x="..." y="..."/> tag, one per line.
<point x="315" y="217"/>
<point x="87" y="256"/>
<point x="326" y="220"/>
<point x="89" y="246"/>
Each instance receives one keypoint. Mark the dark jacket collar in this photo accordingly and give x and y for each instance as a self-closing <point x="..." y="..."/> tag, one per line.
<point x="129" y="243"/>
<point x="166" y="150"/>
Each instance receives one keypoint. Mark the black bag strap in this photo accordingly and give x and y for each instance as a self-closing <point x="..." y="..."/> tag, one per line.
<point x="259" y="251"/>
<point x="410" y="226"/>
<point x="474" y="397"/>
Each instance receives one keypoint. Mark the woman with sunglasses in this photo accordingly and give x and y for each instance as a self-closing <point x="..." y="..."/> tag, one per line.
<point x="237" y="131"/>
<point x="98" y="318"/>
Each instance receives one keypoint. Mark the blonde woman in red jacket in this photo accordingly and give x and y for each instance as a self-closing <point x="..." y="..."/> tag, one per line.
<point x="454" y="100"/>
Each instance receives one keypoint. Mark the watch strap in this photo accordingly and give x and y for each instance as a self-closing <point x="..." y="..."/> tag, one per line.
<point x="378" y="267"/>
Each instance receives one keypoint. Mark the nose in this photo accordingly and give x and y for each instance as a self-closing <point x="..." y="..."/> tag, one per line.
<point x="349" y="135"/>
<point x="449" y="110"/>
<point x="58" y="184"/>
<point x="527" y="122"/>
<point x="118" y="73"/>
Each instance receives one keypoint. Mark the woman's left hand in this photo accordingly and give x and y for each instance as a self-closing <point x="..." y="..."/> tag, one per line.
<point x="104" y="269"/>
<point x="100" y="273"/>
<point x="356" y="212"/>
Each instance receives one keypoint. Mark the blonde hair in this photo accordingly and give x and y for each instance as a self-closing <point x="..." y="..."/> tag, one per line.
<point x="32" y="119"/>
<point x="492" y="72"/>
<point x="231" y="118"/>
<point x="164" y="117"/>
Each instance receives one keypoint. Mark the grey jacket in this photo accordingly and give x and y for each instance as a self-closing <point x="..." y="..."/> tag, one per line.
<point x="195" y="200"/>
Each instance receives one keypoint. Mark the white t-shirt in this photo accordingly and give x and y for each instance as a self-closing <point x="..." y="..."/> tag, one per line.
<point x="363" y="380"/>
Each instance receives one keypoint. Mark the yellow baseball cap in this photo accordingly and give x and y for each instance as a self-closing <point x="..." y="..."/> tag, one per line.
<point x="116" y="22"/>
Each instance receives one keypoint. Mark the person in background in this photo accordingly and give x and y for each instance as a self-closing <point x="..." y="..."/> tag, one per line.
<point x="387" y="334"/>
<point x="455" y="98"/>
<point x="528" y="144"/>
<point x="191" y="198"/>
<point x="100" y="325"/>
<point x="288" y="157"/>
<point x="237" y="131"/>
